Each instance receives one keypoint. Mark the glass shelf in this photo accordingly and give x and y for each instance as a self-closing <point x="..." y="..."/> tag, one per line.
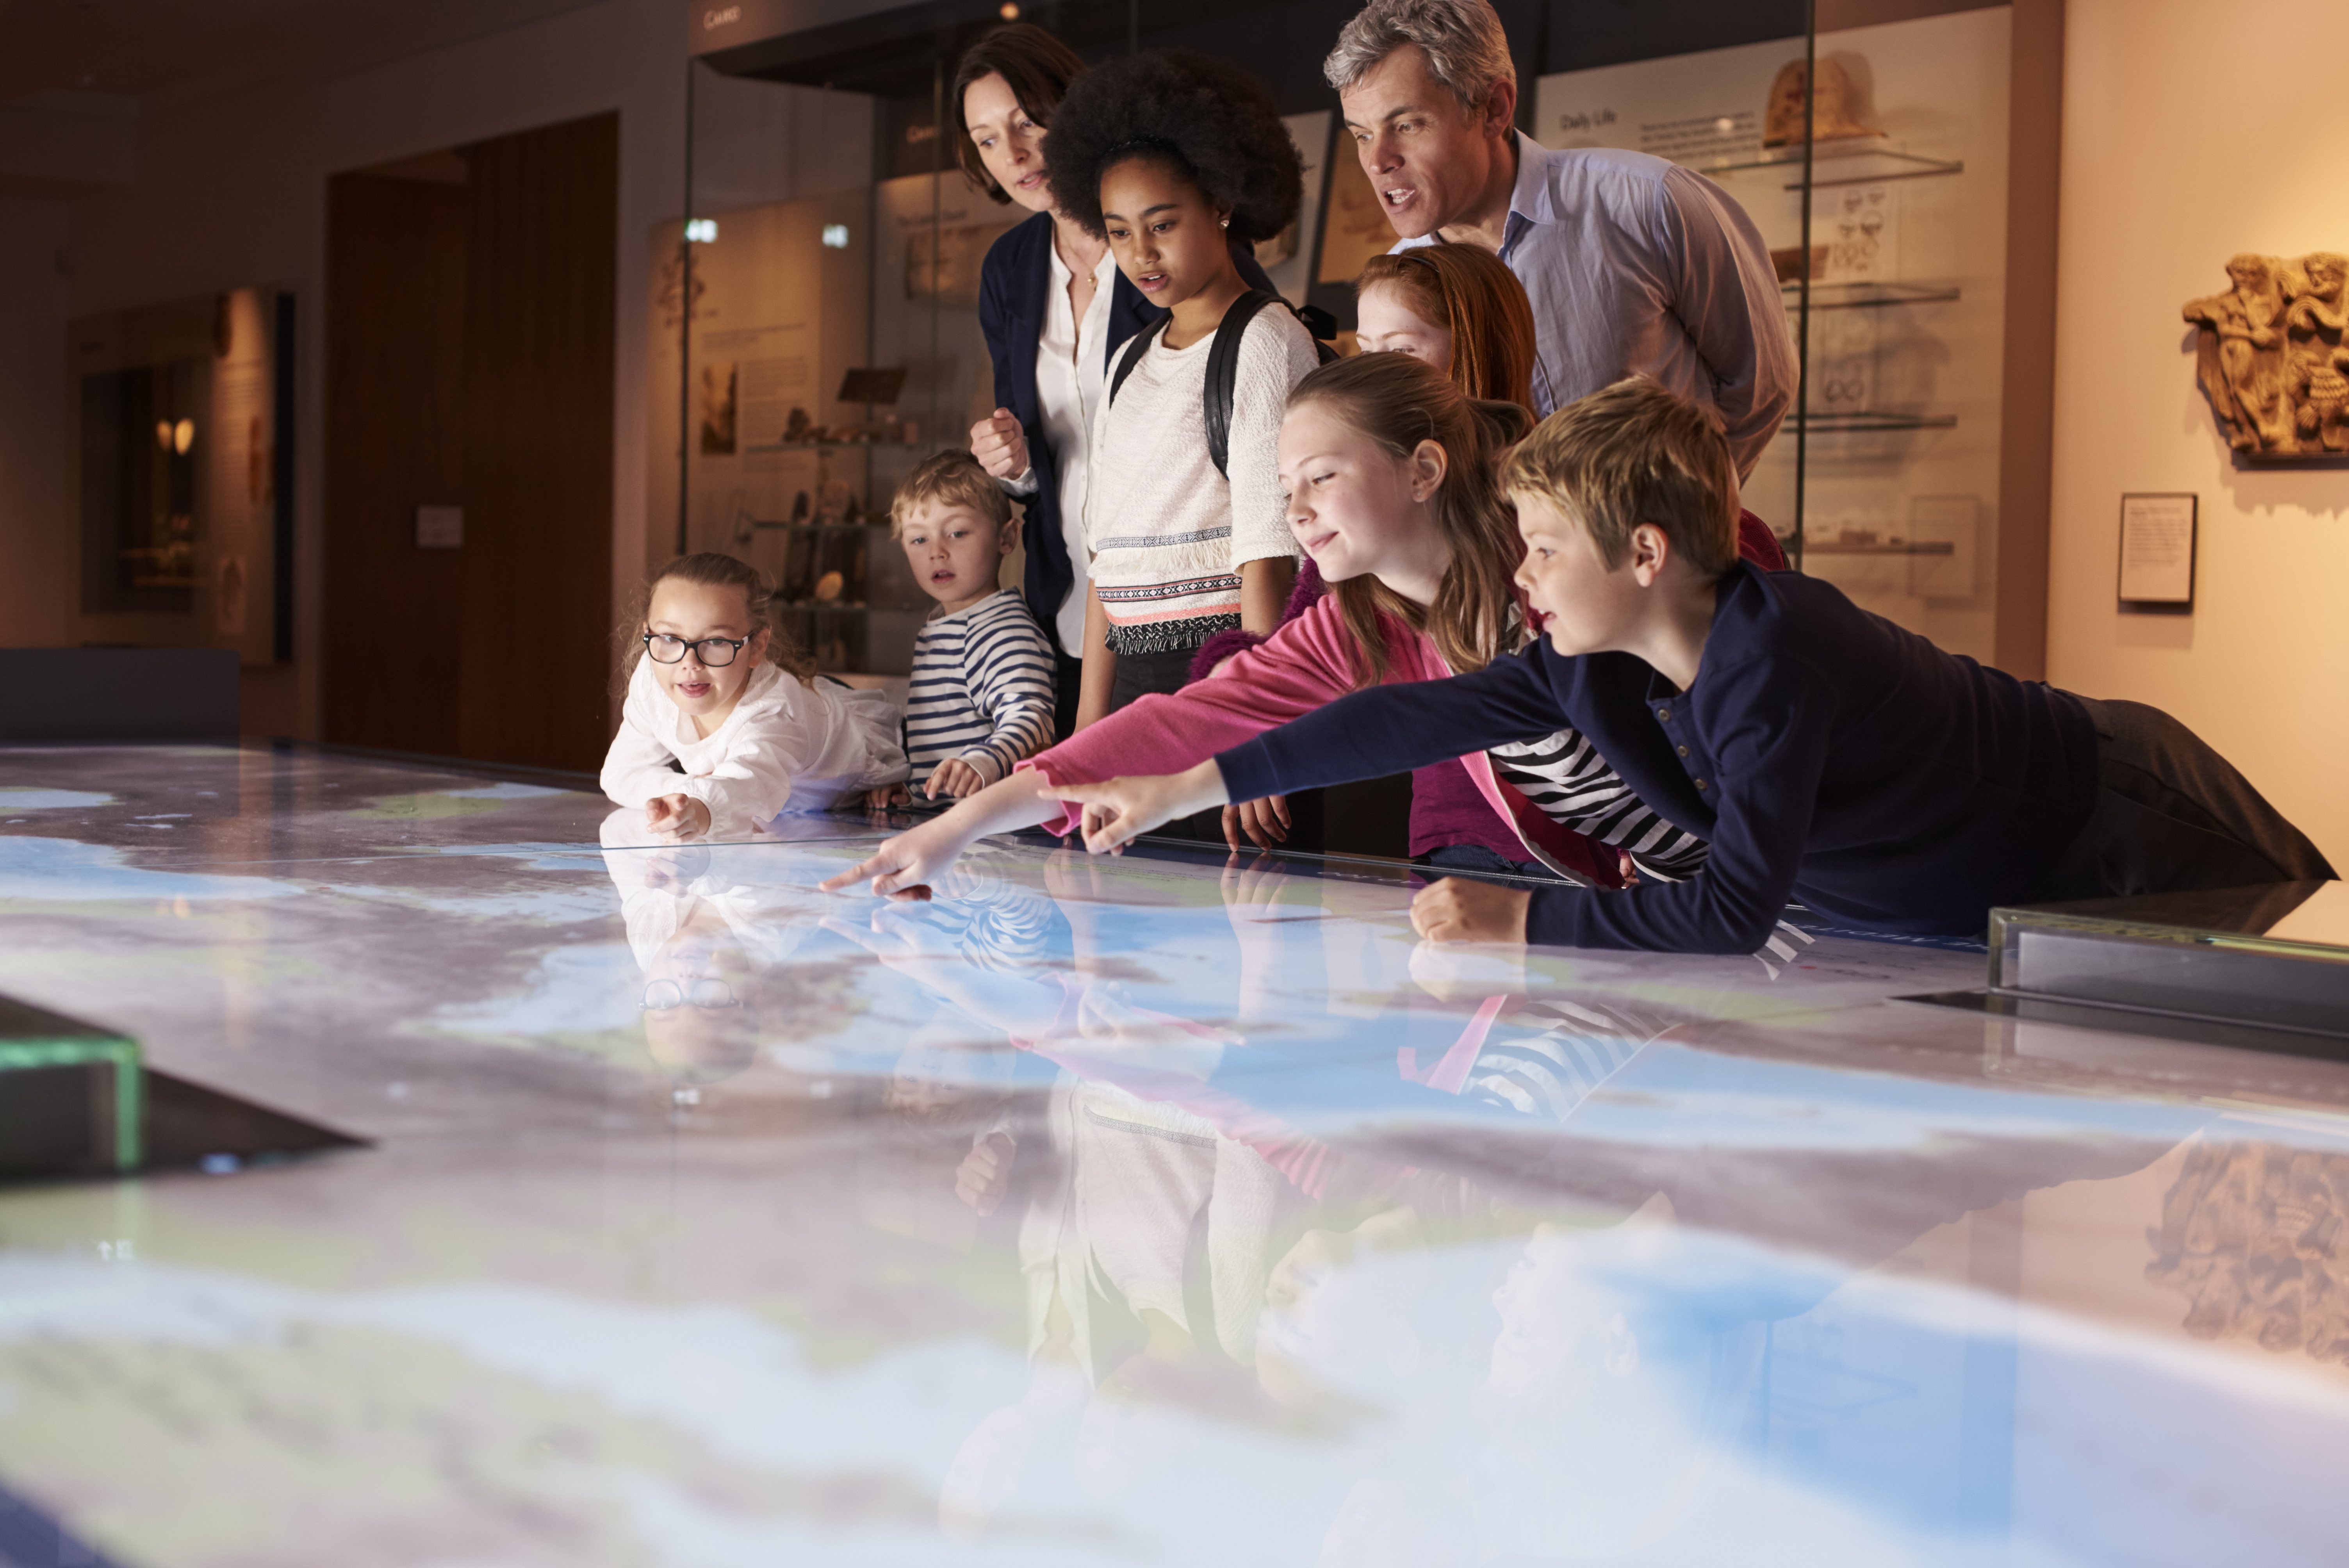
<point x="1856" y="165"/>
<point x="838" y="445"/>
<point x="1868" y="295"/>
<point x="1861" y="424"/>
<point x="1890" y="547"/>
<point x="1875" y="168"/>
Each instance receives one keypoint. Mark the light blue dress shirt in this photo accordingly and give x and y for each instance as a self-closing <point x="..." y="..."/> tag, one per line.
<point x="1634" y="264"/>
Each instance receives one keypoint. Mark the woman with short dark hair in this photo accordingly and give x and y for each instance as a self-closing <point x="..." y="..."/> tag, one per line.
<point x="1053" y="307"/>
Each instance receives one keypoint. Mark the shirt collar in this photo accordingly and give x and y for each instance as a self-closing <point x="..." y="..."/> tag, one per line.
<point x="1530" y="197"/>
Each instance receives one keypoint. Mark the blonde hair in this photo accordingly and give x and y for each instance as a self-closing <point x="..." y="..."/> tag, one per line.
<point x="711" y="570"/>
<point x="1470" y="293"/>
<point x="955" y="477"/>
<point x="1396" y="402"/>
<point x="1633" y="453"/>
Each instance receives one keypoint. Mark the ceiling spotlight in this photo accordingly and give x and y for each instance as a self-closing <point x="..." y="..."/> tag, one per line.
<point x="1009" y="10"/>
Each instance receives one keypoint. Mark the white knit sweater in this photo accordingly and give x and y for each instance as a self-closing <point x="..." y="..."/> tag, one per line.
<point x="788" y="745"/>
<point x="1169" y="533"/>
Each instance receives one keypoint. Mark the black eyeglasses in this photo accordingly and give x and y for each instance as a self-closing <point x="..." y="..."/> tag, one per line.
<point x="716" y="652"/>
<point x="709" y="995"/>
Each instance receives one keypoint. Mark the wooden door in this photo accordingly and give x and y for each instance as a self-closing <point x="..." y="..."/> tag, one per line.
<point x="395" y="441"/>
<point x="469" y="363"/>
<point x="536" y="599"/>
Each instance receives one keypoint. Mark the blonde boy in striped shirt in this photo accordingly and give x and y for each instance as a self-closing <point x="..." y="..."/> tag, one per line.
<point x="982" y="691"/>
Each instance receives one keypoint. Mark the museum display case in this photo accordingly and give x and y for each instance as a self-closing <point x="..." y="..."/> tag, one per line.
<point x="815" y="308"/>
<point x="182" y="492"/>
<point x="1888" y="234"/>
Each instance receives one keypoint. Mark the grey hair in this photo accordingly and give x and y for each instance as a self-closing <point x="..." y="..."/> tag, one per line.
<point x="1462" y="40"/>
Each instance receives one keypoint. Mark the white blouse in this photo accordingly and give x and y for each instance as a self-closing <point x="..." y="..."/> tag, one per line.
<point x="788" y="745"/>
<point x="1072" y="367"/>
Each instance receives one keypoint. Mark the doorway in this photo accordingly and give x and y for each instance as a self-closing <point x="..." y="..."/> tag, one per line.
<point x="468" y="540"/>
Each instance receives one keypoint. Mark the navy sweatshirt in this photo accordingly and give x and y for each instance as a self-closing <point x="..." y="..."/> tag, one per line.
<point x="1826" y="755"/>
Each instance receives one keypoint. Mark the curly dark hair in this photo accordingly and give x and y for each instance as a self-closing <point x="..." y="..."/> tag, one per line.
<point x="1208" y="118"/>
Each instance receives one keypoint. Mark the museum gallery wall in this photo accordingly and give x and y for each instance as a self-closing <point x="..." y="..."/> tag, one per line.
<point x="2157" y="202"/>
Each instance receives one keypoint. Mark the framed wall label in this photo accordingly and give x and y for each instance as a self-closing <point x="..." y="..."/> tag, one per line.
<point x="2158" y="550"/>
<point x="439" y="528"/>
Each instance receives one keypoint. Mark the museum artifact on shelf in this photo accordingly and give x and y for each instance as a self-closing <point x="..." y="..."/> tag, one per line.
<point x="1839" y="112"/>
<point x="2271" y="355"/>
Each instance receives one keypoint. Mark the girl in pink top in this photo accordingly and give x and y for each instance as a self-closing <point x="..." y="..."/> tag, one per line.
<point x="1389" y="469"/>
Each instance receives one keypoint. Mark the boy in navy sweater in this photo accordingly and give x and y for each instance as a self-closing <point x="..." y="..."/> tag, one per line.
<point x="1826" y="755"/>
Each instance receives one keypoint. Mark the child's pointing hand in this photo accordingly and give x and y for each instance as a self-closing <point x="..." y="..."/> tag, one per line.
<point x="1121" y="809"/>
<point x="905" y="866"/>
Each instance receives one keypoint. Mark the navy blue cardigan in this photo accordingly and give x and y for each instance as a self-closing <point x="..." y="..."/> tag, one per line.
<point x="1014" y="287"/>
<point x="1823" y="752"/>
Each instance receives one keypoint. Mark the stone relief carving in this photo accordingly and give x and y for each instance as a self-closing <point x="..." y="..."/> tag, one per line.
<point x="2271" y="358"/>
<point x="2251" y="1235"/>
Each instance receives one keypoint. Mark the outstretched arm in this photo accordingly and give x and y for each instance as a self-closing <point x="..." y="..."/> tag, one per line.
<point x="1394" y="728"/>
<point x="1381" y="730"/>
<point x="905" y="866"/>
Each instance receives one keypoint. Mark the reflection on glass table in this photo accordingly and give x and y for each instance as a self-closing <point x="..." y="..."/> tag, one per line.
<point x="1154" y="1209"/>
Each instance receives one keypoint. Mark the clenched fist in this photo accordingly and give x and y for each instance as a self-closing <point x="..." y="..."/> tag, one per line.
<point x="999" y="446"/>
<point x="1458" y="909"/>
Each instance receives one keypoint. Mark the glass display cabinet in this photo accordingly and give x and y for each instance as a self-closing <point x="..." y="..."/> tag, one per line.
<point x="815" y="306"/>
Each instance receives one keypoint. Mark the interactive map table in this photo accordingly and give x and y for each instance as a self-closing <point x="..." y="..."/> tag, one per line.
<point x="578" y="1200"/>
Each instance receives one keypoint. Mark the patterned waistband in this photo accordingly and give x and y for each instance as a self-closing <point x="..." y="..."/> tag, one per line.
<point x="1167" y="636"/>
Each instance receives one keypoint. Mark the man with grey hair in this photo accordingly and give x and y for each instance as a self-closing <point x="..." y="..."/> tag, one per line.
<point x="1632" y="263"/>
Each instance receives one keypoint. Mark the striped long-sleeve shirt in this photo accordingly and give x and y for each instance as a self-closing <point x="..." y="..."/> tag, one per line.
<point x="1565" y="776"/>
<point x="982" y="689"/>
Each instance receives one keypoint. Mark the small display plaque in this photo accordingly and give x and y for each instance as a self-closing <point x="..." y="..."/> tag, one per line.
<point x="2157" y="551"/>
<point x="439" y="528"/>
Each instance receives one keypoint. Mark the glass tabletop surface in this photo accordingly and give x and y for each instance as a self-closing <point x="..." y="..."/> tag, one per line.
<point x="1164" y="1209"/>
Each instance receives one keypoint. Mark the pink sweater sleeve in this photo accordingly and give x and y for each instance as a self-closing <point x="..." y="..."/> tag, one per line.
<point x="1305" y="664"/>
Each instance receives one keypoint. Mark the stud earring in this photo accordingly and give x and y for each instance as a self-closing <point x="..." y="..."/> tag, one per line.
<point x="1223" y="223"/>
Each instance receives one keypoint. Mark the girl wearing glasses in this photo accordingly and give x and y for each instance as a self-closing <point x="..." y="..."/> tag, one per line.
<point x="725" y="725"/>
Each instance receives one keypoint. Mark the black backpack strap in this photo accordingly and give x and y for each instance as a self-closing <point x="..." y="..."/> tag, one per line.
<point x="1224" y="371"/>
<point x="1131" y="355"/>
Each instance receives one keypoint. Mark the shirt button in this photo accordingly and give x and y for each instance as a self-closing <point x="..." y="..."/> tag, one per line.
<point x="1665" y="713"/>
<point x="1682" y="751"/>
<point x="1700" y="783"/>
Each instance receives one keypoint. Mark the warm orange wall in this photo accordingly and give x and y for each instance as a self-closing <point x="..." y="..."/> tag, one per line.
<point x="2185" y="141"/>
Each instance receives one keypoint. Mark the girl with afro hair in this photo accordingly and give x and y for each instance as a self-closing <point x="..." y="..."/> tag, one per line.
<point x="1170" y="156"/>
<point x="1051" y="304"/>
